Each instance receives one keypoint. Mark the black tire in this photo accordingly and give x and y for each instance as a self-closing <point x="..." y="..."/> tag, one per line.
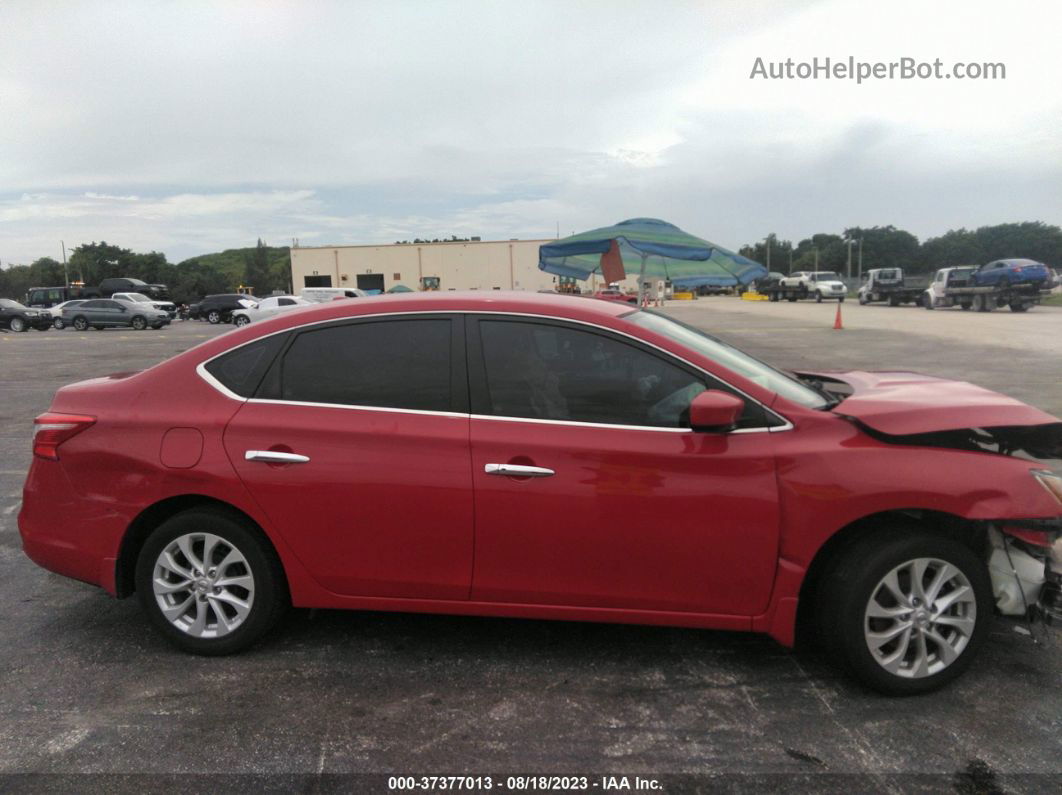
<point x="966" y="305"/>
<point x="851" y="585"/>
<point x="894" y="300"/>
<point x="863" y="300"/>
<point x="138" y="322"/>
<point x="270" y="589"/>
<point x="18" y="325"/>
<point x="58" y="324"/>
<point x="773" y="296"/>
<point x="1018" y="306"/>
<point x="927" y="302"/>
<point x="792" y="298"/>
<point x="213" y="317"/>
<point x="841" y="300"/>
<point x="80" y="323"/>
<point x="241" y="321"/>
<point x="156" y="326"/>
<point x="818" y="297"/>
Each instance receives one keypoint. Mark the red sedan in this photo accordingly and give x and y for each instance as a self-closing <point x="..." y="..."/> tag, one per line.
<point x="545" y="457"/>
<point x="610" y="294"/>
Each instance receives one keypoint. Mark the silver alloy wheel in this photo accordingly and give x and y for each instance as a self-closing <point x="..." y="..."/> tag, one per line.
<point x="920" y="618"/>
<point x="203" y="585"/>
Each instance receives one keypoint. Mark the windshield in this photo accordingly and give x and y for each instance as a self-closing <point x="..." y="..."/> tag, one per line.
<point x="825" y="276"/>
<point x="729" y="357"/>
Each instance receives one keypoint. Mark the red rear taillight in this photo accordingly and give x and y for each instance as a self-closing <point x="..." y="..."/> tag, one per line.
<point x="51" y="430"/>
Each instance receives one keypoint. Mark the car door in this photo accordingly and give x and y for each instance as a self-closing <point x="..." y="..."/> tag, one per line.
<point x="378" y="499"/>
<point x="623" y="505"/>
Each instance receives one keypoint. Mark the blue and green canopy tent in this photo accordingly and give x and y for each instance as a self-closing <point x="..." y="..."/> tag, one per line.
<point x="650" y="247"/>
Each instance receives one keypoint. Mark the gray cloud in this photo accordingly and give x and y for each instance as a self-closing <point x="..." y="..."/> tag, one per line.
<point x="187" y="128"/>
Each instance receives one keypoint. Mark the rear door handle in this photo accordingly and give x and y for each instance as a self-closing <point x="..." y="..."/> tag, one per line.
<point x="518" y="471"/>
<point x="275" y="457"/>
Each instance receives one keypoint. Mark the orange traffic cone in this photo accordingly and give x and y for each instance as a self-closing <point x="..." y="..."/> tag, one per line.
<point x="837" y="324"/>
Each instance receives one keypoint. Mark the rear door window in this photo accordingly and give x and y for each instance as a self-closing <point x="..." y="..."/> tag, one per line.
<point x="402" y="364"/>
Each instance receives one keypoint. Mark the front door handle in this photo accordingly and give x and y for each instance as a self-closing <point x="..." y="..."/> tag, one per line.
<point x="275" y="457"/>
<point x="518" y="471"/>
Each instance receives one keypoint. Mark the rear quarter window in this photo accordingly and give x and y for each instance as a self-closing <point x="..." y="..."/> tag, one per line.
<point x="241" y="370"/>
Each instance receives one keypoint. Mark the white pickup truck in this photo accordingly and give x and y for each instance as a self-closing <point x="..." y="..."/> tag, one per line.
<point x="809" y="284"/>
<point x="168" y="307"/>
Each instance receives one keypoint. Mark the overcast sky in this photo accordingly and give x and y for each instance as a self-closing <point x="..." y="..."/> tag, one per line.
<point x="189" y="128"/>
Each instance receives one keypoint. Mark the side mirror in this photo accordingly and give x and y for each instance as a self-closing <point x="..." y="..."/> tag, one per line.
<point x="715" y="411"/>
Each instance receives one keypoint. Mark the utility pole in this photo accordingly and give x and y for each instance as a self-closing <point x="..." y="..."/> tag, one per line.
<point x="816" y="257"/>
<point x="860" y="259"/>
<point x="790" y="259"/>
<point x="849" y="273"/>
<point x="768" y="238"/>
<point x="66" y="276"/>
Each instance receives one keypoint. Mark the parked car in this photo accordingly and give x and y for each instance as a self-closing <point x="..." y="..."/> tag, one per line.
<point x="615" y="294"/>
<point x="168" y="307"/>
<point x="320" y="295"/>
<point x="219" y="308"/>
<point x="605" y="463"/>
<point x="812" y="284"/>
<point x="1003" y="273"/>
<point x="101" y="313"/>
<point x="108" y="287"/>
<point x="56" y="312"/>
<point x="17" y="317"/>
<point x="48" y="297"/>
<point x="766" y="283"/>
<point x="268" y="307"/>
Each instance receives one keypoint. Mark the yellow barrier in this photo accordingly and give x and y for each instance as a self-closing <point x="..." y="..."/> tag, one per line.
<point x="682" y="296"/>
<point x="751" y="296"/>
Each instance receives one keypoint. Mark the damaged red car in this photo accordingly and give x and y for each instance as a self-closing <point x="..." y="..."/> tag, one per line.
<point x="554" y="458"/>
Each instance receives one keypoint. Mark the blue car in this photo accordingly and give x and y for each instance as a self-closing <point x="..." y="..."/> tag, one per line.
<point x="1005" y="272"/>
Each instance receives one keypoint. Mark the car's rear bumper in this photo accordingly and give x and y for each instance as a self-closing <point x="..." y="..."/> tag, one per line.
<point x="64" y="534"/>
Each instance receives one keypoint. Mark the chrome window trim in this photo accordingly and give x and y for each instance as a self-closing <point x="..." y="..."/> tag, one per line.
<point x="206" y="376"/>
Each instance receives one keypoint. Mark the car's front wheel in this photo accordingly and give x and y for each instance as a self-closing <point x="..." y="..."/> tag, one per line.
<point x="242" y="320"/>
<point x="210" y="583"/>
<point x="18" y="324"/>
<point x="906" y="614"/>
<point x="81" y="324"/>
<point x="138" y="323"/>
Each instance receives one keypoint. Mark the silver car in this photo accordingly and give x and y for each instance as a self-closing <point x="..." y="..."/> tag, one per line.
<point x="100" y="313"/>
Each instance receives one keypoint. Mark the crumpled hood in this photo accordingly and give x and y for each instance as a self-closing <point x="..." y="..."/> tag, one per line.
<point x="903" y="404"/>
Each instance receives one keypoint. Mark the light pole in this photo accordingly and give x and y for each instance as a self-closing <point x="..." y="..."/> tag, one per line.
<point x="768" y="239"/>
<point x="66" y="276"/>
<point x="849" y="241"/>
<point x="860" y="259"/>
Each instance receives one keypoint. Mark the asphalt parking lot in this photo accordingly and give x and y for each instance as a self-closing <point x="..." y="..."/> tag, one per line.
<point x="87" y="688"/>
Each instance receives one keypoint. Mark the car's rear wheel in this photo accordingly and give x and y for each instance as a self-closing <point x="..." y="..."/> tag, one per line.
<point x="81" y="324"/>
<point x="242" y="320"/>
<point x="138" y="323"/>
<point x="214" y="316"/>
<point x="209" y="583"/>
<point x="1019" y="306"/>
<point x="18" y="324"/>
<point x="906" y="613"/>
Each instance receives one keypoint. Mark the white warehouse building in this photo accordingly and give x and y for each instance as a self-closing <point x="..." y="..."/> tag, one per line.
<point x="457" y="265"/>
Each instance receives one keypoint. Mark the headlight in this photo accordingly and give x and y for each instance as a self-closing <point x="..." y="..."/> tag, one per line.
<point x="1050" y="481"/>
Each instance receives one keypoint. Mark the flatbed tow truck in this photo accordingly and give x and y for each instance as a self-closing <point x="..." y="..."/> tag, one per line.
<point x="892" y="286"/>
<point x="954" y="287"/>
